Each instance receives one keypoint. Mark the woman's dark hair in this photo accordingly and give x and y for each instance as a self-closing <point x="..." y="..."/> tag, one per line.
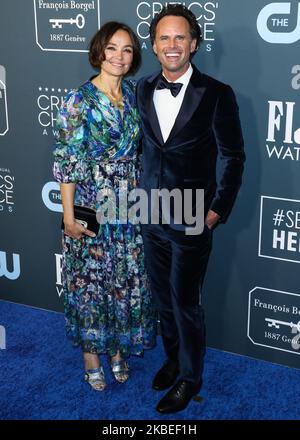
<point x="178" y="10"/>
<point x="101" y="39"/>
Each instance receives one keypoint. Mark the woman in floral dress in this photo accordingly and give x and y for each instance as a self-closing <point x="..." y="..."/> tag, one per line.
<point x="108" y="306"/>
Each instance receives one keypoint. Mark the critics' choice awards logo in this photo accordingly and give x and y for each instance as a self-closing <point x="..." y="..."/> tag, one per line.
<point x="7" y="181"/>
<point x="3" y="103"/>
<point x="48" y="101"/>
<point x="279" y="23"/>
<point x="9" y="265"/>
<point x="58" y="266"/>
<point x="283" y="134"/>
<point x="279" y="231"/>
<point x="65" y="26"/>
<point x="205" y="13"/>
<point x="274" y="319"/>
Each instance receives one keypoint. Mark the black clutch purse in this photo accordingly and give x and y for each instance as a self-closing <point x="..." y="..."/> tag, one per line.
<point x="86" y="217"/>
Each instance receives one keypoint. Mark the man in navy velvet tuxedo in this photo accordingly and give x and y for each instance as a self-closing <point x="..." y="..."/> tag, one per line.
<point x="189" y="120"/>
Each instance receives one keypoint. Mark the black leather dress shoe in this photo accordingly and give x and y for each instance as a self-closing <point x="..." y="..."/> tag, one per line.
<point x="178" y="397"/>
<point x="166" y="376"/>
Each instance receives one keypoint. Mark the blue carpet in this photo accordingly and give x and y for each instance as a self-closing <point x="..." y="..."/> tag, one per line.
<point x="42" y="379"/>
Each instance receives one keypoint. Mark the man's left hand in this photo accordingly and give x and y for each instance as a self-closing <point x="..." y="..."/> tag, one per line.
<point x="212" y="219"/>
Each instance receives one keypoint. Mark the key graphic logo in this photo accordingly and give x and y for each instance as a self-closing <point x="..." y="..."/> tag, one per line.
<point x="58" y="22"/>
<point x="275" y="20"/>
<point x="3" y="103"/>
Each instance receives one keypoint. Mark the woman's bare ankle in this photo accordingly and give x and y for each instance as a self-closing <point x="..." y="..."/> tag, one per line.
<point x="91" y="361"/>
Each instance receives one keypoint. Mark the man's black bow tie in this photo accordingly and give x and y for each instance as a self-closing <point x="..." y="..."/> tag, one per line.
<point x="163" y="83"/>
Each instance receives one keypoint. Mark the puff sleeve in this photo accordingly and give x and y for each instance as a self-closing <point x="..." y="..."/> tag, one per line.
<point x="71" y="163"/>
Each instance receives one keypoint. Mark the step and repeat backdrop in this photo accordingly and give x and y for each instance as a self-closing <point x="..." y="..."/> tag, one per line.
<point x="252" y="290"/>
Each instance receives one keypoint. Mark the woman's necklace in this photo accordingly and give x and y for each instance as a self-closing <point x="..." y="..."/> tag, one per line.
<point x="117" y="102"/>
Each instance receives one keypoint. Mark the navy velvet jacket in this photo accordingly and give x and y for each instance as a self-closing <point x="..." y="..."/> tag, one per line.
<point x="206" y="127"/>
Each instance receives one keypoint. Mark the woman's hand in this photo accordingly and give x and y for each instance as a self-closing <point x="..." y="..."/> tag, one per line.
<point x="75" y="230"/>
<point x="72" y="227"/>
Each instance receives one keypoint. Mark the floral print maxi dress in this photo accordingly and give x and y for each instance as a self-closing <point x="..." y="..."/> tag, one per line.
<point x="107" y="300"/>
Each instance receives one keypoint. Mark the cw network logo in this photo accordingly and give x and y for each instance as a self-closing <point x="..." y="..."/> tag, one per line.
<point x="51" y="196"/>
<point x="15" y="272"/>
<point x="274" y="29"/>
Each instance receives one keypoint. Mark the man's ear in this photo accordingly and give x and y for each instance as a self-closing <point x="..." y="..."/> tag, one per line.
<point x="154" y="48"/>
<point x="194" y="46"/>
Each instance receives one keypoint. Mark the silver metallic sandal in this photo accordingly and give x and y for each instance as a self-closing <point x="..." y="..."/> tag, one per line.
<point x="120" y="370"/>
<point x="95" y="377"/>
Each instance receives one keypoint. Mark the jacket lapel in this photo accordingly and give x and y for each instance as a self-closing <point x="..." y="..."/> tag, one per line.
<point x="149" y="110"/>
<point x="192" y="98"/>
